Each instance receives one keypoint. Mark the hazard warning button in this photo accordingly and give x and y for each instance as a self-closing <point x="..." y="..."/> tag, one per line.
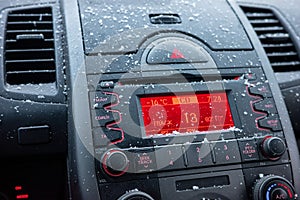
<point x="176" y="50"/>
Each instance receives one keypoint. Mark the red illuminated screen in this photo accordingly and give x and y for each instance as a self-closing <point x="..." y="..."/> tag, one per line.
<point x="186" y="113"/>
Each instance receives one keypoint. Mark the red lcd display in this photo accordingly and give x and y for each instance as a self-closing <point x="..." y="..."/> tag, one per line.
<point x="186" y="113"/>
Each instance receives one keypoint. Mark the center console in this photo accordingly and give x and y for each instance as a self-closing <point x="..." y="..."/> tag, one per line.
<point x="182" y="109"/>
<point x="149" y="100"/>
<point x="195" y="131"/>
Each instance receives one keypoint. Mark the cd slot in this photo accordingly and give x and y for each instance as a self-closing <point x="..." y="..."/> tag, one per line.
<point x="201" y="183"/>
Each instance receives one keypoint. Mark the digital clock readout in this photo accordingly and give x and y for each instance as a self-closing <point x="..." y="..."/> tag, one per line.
<point x="186" y="113"/>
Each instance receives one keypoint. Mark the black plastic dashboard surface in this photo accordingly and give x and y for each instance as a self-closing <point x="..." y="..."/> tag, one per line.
<point x="122" y="26"/>
<point x="119" y="51"/>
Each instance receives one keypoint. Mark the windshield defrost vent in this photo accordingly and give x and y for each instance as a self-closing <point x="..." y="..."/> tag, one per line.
<point x="274" y="38"/>
<point x="29" y="47"/>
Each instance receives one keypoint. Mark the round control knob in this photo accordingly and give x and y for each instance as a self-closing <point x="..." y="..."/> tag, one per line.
<point x="273" y="147"/>
<point x="273" y="187"/>
<point x="115" y="163"/>
<point x="136" y="195"/>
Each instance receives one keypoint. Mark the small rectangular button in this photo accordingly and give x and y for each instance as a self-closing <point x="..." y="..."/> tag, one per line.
<point x="272" y="122"/>
<point x="106" y="84"/>
<point x="267" y="105"/>
<point x="34" y="135"/>
<point x="101" y="117"/>
<point x="101" y="99"/>
<point x="144" y="160"/>
<point x="226" y="152"/>
<point x="99" y="137"/>
<point x="198" y="154"/>
<point x="248" y="150"/>
<point x="169" y="157"/>
<point x="261" y="90"/>
<point x="103" y="136"/>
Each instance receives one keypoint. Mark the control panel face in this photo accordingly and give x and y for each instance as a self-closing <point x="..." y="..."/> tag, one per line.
<point x="235" y="109"/>
<point x="174" y="133"/>
<point x="183" y="131"/>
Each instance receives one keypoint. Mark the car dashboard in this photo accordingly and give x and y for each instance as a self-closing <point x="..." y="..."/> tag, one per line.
<point x="149" y="100"/>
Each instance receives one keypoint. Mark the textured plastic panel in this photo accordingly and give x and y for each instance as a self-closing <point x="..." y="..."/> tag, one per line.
<point x="120" y="26"/>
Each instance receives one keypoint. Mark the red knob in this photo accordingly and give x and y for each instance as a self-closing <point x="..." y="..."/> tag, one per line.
<point x="115" y="163"/>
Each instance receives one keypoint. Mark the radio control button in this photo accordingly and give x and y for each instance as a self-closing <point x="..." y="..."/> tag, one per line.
<point x="226" y="152"/>
<point x="101" y="99"/>
<point x="102" y="117"/>
<point x="103" y="136"/>
<point x="198" y="155"/>
<point x="144" y="160"/>
<point x="169" y="157"/>
<point x="273" y="147"/>
<point x="248" y="149"/>
<point x="271" y="122"/>
<point x="172" y="51"/>
<point x="106" y="84"/>
<point x="266" y="105"/>
<point x="99" y="137"/>
<point x="115" y="163"/>
<point x="261" y="90"/>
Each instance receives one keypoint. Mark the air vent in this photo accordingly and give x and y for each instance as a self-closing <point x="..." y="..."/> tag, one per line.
<point x="29" y="47"/>
<point x="275" y="39"/>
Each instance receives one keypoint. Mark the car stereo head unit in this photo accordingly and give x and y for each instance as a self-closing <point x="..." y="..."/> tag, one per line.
<point x="160" y="111"/>
<point x="150" y="126"/>
<point x="145" y="113"/>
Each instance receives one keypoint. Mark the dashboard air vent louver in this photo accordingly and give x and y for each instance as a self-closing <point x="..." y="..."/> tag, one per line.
<point x="29" y="47"/>
<point x="274" y="38"/>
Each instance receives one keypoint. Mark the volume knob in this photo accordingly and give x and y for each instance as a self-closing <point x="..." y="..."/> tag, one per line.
<point x="115" y="162"/>
<point x="273" y="147"/>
